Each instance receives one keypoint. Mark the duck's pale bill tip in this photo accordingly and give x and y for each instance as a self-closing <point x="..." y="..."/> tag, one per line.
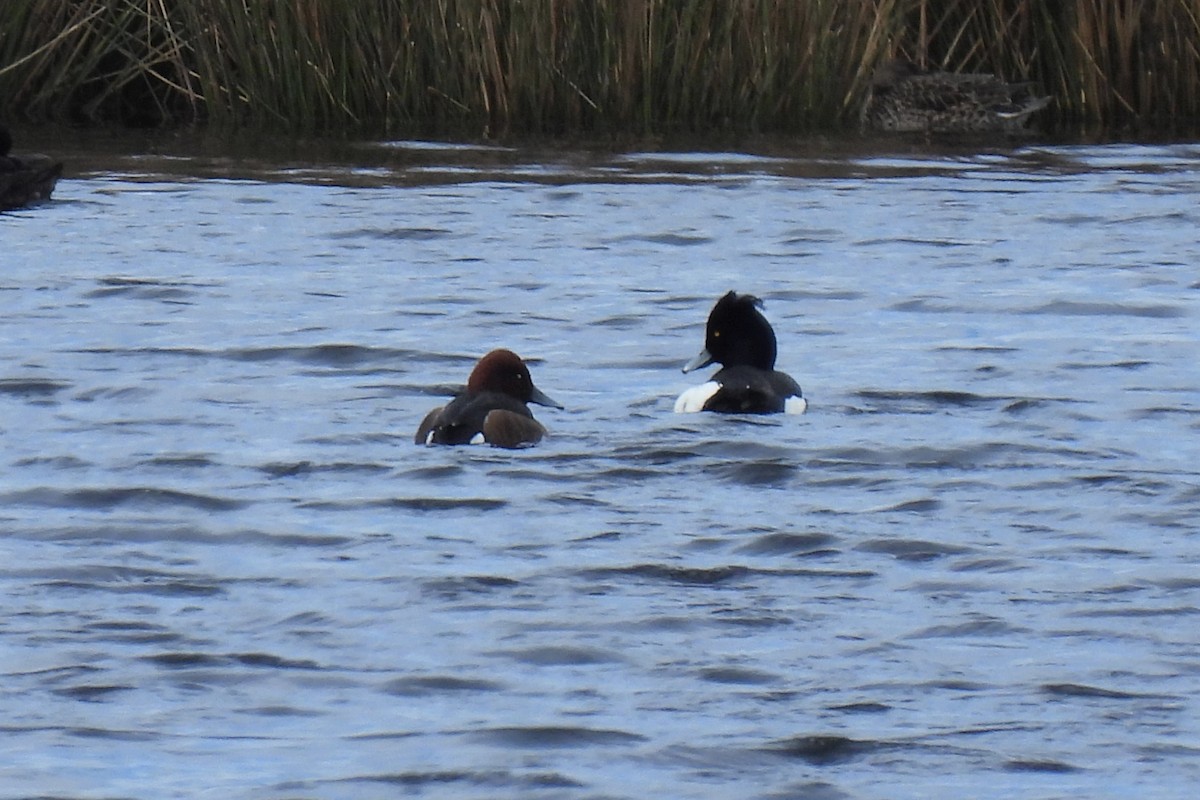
<point x="702" y="359"/>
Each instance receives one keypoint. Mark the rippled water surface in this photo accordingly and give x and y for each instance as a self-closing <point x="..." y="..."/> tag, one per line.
<point x="971" y="570"/>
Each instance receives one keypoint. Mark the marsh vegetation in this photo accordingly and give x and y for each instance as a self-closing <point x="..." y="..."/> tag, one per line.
<point x="552" y="67"/>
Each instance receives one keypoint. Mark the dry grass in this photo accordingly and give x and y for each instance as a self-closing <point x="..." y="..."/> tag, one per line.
<point x="486" y="67"/>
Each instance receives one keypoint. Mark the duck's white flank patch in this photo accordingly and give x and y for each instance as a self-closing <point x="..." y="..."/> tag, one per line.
<point x="693" y="399"/>
<point x="795" y="405"/>
<point x="478" y="439"/>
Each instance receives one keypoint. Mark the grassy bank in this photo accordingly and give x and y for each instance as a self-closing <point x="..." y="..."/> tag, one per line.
<point x="577" y="67"/>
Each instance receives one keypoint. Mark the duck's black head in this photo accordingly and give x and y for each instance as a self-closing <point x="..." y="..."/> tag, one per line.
<point x="738" y="334"/>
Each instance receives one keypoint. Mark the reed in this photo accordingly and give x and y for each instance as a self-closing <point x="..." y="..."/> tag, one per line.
<point x="569" y="67"/>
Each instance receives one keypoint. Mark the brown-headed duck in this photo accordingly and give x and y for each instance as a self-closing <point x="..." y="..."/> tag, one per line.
<point x="492" y="409"/>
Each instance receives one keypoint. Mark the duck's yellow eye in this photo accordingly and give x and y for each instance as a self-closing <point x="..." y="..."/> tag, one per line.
<point x="716" y="334"/>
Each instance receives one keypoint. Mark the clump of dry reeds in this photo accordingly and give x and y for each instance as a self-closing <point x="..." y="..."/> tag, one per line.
<point x="478" y="67"/>
<point x="1108" y="63"/>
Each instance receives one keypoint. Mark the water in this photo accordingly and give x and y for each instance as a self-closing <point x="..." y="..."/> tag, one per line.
<point x="969" y="571"/>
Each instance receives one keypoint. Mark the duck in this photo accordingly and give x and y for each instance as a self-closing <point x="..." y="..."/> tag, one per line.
<point x="906" y="98"/>
<point x="492" y="409"/>
<point x="24" y="181"/>
<point x="742" y="341"/>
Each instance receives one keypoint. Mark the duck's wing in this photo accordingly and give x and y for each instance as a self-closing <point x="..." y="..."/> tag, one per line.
<point x="749" y="390"/>
<point x="940" y="93"/>
<point x="505" y="428"/>
<point x="963" y="91"/>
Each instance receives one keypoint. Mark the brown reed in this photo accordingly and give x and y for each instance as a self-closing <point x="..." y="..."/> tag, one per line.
<point x="568" y="67"/>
